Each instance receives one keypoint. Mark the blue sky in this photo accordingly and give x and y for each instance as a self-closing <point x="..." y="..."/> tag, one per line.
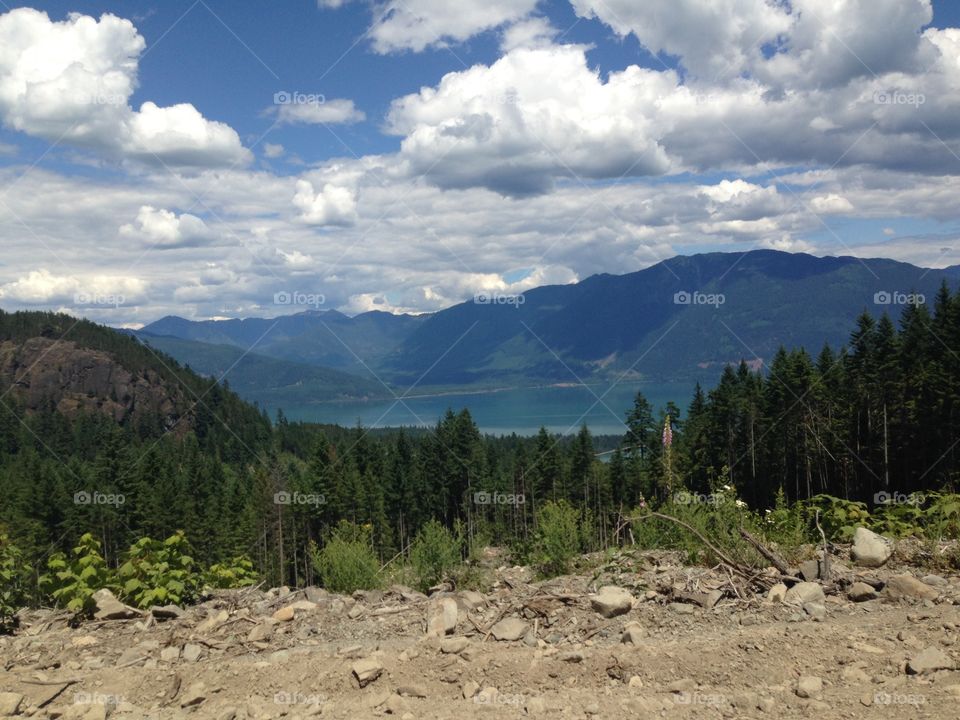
<point x="145" y="168"/>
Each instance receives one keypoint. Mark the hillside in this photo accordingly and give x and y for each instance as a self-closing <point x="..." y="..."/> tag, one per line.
<point x="601" y="327"/>
<point x="265" y="380"/>
<point x="54" y="363"/>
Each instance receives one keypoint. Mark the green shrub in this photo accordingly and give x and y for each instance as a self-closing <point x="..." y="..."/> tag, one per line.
<point x="717" y="517"/>
<point x="235" y="573"/>
<point x="557" y="537"/>
<point x="157" y="573"/>
<point x="71" y="582"/>
<point x="433" y="554"/>
<point x="14" y="583"/>
<point x="347" y="561"/>
<point x="839" y="518"/>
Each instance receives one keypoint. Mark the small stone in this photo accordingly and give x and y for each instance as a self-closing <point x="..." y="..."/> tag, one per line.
<point x="261" y="632"/>
<point x="469" y="689"/>
<point x="809" y="686"/>
<point x="109" y="608"/>
<point x="213" y="622"/>
<point x="356" y="611"/>
<point x="810" y="570"/>
<point x="870" y="549"/>
<point x="633" y="633"/>
<point x="454" y="646"/>
<point x="170" y="654"/>
<point x="10" y="703"/>
<point x="472" y="599"/>
<point x="861" y="592"/>
<point x="366" y="671"/>
<point x="681" y="608"/>
<point x="816" y="611"/>
<point x="611" y="601"/>
<point x="414" y="691"/>
<point x="572" y="656"/>
<point x="536" y="706"/>
<point x="285" y="614"/>
<point x="777" y="593"/>
<point x="191" y="652"/>
<point x="509" y="629"/>
<point x="194" y="695"/>
<point x="930" y="660"/>
<point x="805" y="592"/>
<point x="934" y="580"/>
<point x="443" y="618"/>
<point x="907" y="586"/>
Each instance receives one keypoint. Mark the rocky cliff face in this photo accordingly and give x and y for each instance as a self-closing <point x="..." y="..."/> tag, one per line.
<point x="74" y="379"/>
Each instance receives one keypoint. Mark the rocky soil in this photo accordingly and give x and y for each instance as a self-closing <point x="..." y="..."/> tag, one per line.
<point x="643" y="636"/>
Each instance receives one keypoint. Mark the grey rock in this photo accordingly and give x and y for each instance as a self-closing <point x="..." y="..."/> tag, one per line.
<point x="194" y="695"/>
<point x="509" y="629"/>
<point x="10" y="703"/>
<point x="861" y="592"/>
<point x="809" y="686"/>
<point x="366" y="671"/>
<point x="191" y="653"/>
<point x="443" y="617"/>
<point x="805" y="592"/>
<point x="633" y="633"/>
<point x="900" y="587"/>
<point x="109" y="608"/>
<point x="870" y="549"/>
<point x="930" y="660"/>
<point x="611" y="601"/>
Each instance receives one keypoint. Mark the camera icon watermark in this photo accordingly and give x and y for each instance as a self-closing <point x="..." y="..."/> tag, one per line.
<point x="497" y="498"/>
<point x="92" y="299"/>
<point x="492" y="696"/>
<point x="683" y="497"/>
<point x="285" y="497"/>
<point x="898" y="498"/>
<point x="894" y="297"/>
<point x="896" y="97"/>
<point x="295" y="97"/>
<point x="484" y="298"/>
<point x="298" y="698"/>
<point x="696" y="297"/>
<point x="886" y="698"/>
<point x="98" y="498"/>
<point x="295" y="297"/>
<point x="699" y="698"/>
<point x="95" y="698"/>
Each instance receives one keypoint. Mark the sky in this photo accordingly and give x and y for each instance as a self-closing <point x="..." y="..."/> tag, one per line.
<point x="223" y="158"/>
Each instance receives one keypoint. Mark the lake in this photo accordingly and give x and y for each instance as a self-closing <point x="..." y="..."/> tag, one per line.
<point x="561" y="409"/>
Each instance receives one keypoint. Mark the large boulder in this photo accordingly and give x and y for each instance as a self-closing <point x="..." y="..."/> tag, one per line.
<point x="443" y="618"/>
<point x="805" y="592"/>
<point x="611" y="601"/>
<point x="930" y="660"/>
<point x="870" y="549"/>
<point x="509" y="629"/>
<point x="107" y="607"/>
<point x="900" y="587"/>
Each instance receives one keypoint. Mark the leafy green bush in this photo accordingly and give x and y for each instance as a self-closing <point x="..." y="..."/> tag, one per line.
<point x="433" y="554"/>
<point x="557" y="537"/>
<point x="839" y="518"/>
<point x="157" y="573"/>
<point x="235" y="573"/>
<point x="71" y="582"/>
<point x="14" y="581"/>
<point x="786" y="528"/>
<point x="347" y="561"/>
<point x="717" y="517"/>
<point x="942" y="515"/>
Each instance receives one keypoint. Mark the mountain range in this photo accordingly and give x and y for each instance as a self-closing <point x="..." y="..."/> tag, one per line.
<point x="681" y="319"/>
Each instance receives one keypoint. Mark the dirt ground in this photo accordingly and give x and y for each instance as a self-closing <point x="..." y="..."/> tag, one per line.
<point x="675" y="650"/>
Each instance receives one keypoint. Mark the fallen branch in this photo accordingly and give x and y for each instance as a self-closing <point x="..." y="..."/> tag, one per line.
<point x="778" y="562"/>
<point x="740" y="569"/>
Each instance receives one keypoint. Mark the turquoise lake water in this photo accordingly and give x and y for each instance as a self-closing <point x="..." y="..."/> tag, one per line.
<point x="519" y="410"/>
